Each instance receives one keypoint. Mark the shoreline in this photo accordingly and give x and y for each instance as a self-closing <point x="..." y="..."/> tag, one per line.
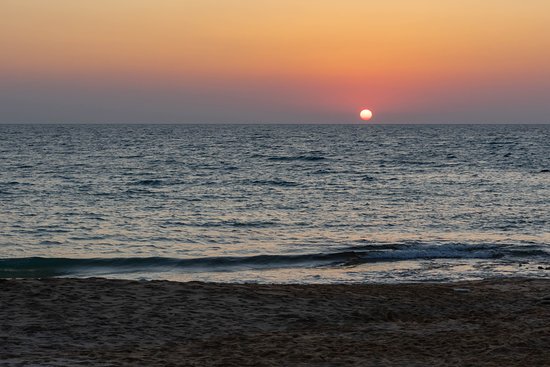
<point x="104" y="322"/>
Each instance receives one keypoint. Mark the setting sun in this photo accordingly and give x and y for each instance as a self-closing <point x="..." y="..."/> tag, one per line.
<point x="366" y="115"/>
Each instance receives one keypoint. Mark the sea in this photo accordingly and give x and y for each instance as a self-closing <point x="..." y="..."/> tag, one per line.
<point x="275" y="203"/>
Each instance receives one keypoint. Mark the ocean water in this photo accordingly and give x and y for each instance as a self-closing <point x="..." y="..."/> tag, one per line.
<point x="275" y="203"/>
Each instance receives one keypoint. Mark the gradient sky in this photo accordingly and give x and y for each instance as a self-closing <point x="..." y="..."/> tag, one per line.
<point x="280" y="61"/>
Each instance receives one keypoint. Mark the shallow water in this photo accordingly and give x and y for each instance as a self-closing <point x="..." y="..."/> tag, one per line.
<point x="275" y="203"/>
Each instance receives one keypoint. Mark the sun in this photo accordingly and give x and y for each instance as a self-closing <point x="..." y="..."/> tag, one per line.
<point x="366" y="115"/>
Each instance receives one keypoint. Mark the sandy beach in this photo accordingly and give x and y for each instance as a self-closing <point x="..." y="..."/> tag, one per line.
<point x="100" y="322"/>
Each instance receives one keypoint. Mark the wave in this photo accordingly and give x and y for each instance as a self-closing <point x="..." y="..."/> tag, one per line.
<point x="275" y="182"/>
<point x="48" y="267"/>
<point x="37" y="267"/>
<point x="155" y="182"/>
<point x="310" y="158"/>
<point x="149" y="182"/>
<point x="235" y="223"/>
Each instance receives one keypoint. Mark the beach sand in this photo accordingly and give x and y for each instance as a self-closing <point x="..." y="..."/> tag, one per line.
<point x="100" y="322"/>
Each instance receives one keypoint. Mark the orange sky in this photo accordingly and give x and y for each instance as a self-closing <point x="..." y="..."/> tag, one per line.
<point x="275" y="60"/>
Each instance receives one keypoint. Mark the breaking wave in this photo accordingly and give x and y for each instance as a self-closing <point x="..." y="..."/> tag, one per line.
<point x="48" y="267"/>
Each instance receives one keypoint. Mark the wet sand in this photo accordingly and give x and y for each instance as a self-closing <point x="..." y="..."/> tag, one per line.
<point x="99" y="322"/>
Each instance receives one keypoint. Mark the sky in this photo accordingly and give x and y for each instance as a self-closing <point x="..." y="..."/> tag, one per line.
<point x="274" y="61"/>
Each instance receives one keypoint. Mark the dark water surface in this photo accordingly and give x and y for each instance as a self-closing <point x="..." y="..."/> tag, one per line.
<point x="270" y="203"/>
